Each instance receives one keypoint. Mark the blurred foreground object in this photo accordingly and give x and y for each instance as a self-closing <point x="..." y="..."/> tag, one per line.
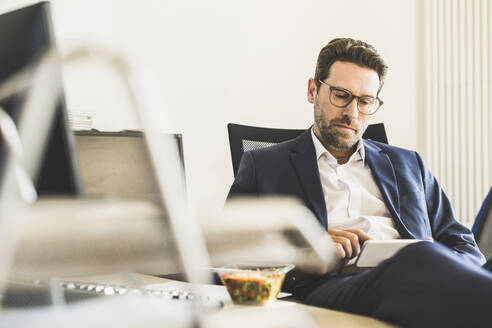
<point x="79" y="237"/>
<point x="274" y="230"/>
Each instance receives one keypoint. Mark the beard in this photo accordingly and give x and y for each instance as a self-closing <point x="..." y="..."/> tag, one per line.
<point x="332" y="136"/>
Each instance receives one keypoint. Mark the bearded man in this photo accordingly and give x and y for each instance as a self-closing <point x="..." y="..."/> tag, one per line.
<point x="362" y="189"/>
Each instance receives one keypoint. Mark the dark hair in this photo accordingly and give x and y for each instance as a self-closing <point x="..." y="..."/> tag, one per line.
<point x="349" y="50"/>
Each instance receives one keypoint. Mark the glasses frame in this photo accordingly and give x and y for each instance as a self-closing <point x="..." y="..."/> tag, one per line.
<point x="352" y="96"/>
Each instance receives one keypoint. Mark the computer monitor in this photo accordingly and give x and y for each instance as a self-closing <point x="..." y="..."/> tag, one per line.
<point x="25" y="35"/>
<point x="118" y="164"/>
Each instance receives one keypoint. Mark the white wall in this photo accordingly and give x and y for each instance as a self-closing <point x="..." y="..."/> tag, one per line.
<point x="248" y="62"/>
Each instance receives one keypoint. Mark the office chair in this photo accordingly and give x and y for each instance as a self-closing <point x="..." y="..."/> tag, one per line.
<point x="243" y="138"/>
<point x="482" y="227"/>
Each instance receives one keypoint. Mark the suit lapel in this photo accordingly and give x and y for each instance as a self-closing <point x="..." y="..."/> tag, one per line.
<point x="384" y="174"/>
<point x="303" y="156"/>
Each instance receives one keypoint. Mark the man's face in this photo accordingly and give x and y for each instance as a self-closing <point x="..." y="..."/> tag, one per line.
<point x="341" y="128"/>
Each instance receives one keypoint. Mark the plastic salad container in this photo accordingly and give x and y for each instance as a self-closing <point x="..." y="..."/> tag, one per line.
<point x="253" y="284"/>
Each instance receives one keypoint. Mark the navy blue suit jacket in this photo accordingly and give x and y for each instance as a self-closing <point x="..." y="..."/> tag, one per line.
<point x="416" y="201"/>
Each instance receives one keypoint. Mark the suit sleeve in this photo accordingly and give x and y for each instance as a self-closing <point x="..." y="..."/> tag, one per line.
<point x="245" y="182"/>
<point x="445" y="228"/>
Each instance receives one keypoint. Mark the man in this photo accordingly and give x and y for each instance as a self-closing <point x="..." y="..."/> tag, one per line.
<point x="361" y="189"/>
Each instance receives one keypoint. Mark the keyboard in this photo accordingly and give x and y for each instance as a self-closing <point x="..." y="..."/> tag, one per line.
<point x="21" y="295"/>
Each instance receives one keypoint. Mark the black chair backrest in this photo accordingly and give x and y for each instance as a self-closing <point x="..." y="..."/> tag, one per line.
<point x="482" y="227"/>
<point x="243" y="138"/>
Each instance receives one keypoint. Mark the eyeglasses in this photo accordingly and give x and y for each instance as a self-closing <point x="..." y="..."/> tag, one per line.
<point x="342" y="98"/>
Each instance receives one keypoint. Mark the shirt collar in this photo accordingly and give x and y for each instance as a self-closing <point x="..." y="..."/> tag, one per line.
<point x="359" y="154"/>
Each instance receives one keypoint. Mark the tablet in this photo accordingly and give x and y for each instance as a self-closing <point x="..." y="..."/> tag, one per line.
<point x="374" y="252"/>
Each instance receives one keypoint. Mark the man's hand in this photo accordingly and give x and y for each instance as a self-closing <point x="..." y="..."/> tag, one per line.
<point x="347" y="242"/>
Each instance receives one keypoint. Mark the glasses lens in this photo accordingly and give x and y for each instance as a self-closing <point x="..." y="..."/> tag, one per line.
<point x="340" y="97"/>
<point x="368" y="105"/>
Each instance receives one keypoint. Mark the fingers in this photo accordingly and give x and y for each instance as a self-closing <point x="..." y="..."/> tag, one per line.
<point x="340" y="251"/>
<point x="348" y="241"/>
<point x="345" y="246"/>
<point x="361" y="234"/>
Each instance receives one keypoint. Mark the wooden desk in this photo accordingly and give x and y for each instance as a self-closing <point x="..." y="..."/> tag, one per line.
<point x="321" y="317"/>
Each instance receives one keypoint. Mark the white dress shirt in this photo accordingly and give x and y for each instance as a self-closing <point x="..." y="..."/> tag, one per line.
<point x="353" y="199"/>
